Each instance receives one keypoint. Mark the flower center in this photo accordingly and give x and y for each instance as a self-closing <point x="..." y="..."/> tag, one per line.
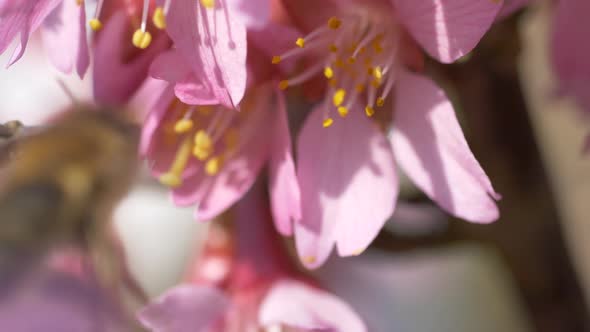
<point x="358" y="56"/>
<point x="141" y="37"/>
<point x="205" y="134"/>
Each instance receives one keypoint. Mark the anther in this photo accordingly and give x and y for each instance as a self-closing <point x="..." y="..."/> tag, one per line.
<point x="328" y="72"/>
<point x="338" y="97"/>
<point x="213" y="166"/>
<point x="283" y="85"/>
<point x="203" y="145"/>
<point x="141" y="39"/>
<point x="380" y="102"/>
<point x="333" y="48"/>
<point x="300" y="42"/>
<point x="159" y="18"/>
<point x="343" y="111"/>
<point x="334" y="23"/>
<point x="183" y="126"/>
<point x="276" y="59"/>
<point x="95" y="24"/>
<point x="79" y="2"/>
<point x="208" y="3"/>
<point x="369" y="111"/>
<point x="328" y="122"/>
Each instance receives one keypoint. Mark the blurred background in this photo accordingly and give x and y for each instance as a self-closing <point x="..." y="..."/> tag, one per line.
<point x="530" y="271"/>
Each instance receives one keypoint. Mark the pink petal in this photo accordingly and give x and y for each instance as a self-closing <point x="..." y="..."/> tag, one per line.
<point x="152" y="122"/>
<point x="254" y="14"/>
<point x="348" y="186"/>
<point x="214" y="194"/>
<point x="64" y="38"/>
<point x="430" y="147"/>
<point x="192" y="91"/>
<point x="296" y="305"/>
<point x="22" y="17"/>
<point x="169" y="66"/>
<point x="284" y="188"/>
<point x="185" y="308"/>
<point x="570" y="52"/>
<point x="447" y="29"/>
<point x="217" y="47"/>
<point x="115" y="79"/>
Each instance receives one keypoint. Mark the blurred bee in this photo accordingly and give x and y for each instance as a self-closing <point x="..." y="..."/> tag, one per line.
<point x="60" y="187"/>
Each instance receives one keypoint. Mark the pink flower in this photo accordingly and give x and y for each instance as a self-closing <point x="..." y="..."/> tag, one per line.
<point x="346" y="163"/>
<point x="211" y="155"/>
<point x="63" y="26"/>
<point x="243" y="282"/>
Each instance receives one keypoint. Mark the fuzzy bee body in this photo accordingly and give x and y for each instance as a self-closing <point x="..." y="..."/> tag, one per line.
<point x="60" y="188"/>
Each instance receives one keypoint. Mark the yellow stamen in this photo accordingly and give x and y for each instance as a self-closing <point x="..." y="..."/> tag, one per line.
<point x="360" y="88"/>
<point x="378" y="73"/>
<point x="95" y="24"/>
<point x="276" y="59"/>
<point x="208" y="3"/>
<point x="173" y="177"/>
<point x="334" y="23"/>
<point x="79" y="2"/>
<point x="338" y="97"/>
<point x="369" y="111"/>
<point x="343" y="111"/>
<point x="203" y="145"/>
<point x="376" y="83"/>
<point x="300" y="42"/>
<point x="351" y="60"/>
<point x="309" y="259"/>
<point x="380" y="102"/>
<point x="183" y="126"/>
<point x="283" y="85"/>
<point x="333" y="48"/>
<point x="328" y="72"/>
<point x="141" y="39"/>
<point x="159" y="18"/>
<point x="213" y="165"/>
<point x="328" y="122"/>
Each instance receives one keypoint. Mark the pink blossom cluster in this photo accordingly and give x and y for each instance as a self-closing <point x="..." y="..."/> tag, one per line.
<point x="292" y="112"/>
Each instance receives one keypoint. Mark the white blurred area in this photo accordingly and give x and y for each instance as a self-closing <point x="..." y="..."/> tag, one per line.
<point x="460" y="289"/>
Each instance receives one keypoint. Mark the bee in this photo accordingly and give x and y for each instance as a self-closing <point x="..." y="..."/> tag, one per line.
<point x="59" y="189"/>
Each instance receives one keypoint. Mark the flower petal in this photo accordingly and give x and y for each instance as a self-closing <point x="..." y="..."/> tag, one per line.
<point x="22" y="17"/>
<point x="285" y="195"/>
<point x="447" y="29"/>
<point x="185" y="308"/>
<point x="214" y="194"/>
<point x="296" y="305"/>
<point x="217" y="47"/>
<point x="254" y="14"/>
<point x="348" y="186"/>
<point x="430" y="147"/>
<point x="64" y="38"/>
<point x="109" y="58"/>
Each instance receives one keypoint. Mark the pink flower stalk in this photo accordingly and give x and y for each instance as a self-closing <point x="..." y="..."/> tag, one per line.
<point x="244" y="282"/>
<point x="365" y="51"/>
